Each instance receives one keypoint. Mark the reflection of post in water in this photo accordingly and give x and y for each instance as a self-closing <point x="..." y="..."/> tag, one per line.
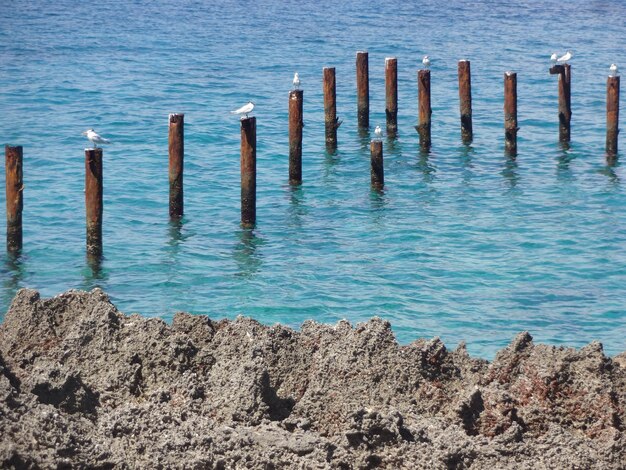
<point x="94" y="275"/>
<point x="248" y="260"/>
<point x="175" y="232"/>
<point x="296" y="207"/>
<point x="424" y="165"/>
<point x="466" y="152"/>
<point x="15" y="271"/>
<point x="510" y="169"/>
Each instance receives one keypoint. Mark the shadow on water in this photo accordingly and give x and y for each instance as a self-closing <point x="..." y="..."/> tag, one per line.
<point x="564" y="158"/>
<point x="246" y="254"/>
<point x="13" y="274"/>
<point x="378" y="204"/>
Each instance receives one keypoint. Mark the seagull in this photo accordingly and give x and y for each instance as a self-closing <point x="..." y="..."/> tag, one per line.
<point x="296" y="81"/>
<point x="554" y="58"/>
<point x="245" y="109"/>
<point x="613" y="71"/>
<point x="95" y="138"/>
<point x="564" y="58"/>
<point x="426" y="61"/>
<point x="379" y="132"/>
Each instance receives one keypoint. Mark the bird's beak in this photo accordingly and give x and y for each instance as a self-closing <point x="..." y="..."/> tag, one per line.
<point x="83" y="133"/>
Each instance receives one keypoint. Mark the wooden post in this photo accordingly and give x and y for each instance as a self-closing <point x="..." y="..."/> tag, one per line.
<point x="177" y="153"/>
<point x="93" y="200"/>
<point x="425" y="111"/>
<point x="13" y="164"/>
<point x="377" y="170"/>
<point x="510" y="113"/>
<point x="612" y="115"/>
<point x="363" y="89"/>
<point x="391" y="94"/>
<point x="295" y="136"/>
<point x="465" y="100"/>
<point x="565" y="99"/>
<point x="248" y="172"/>
<point x="330" y="108"/>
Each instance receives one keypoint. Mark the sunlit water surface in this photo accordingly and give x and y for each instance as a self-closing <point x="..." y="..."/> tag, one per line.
<point x="464" y="243"/>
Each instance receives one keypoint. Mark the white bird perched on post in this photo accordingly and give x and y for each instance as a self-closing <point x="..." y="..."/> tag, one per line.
<point x="95" y="138"/>
<point x="296" y="81"/>
<point x="378" y="132"/>
<point x="245" y="109"/>
<point x="613" y="71"/>
<point x="565" y="57"/>
<point x="554" y="58"/>
<point x="426" y="61"/>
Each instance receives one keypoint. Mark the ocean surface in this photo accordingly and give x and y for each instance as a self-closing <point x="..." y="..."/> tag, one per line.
<point x="464" y="243"/>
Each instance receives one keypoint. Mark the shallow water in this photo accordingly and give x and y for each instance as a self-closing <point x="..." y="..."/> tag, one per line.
<point x="464" y="243"/>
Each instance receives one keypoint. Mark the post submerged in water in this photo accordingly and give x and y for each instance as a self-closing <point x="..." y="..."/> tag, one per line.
<point x="248" y="172"/>
<point x="176" y="156"/>
<point x="391" y="95"/>
<point x="510" y="113"/>
<point x="363" y="89"/>
<point x="377" y="169"/>
<point x="565" y="102"/>
<point x="465" y="101"/>
<point x="295" y="136"/>
<point x="93" y="200"/>
<point x="330" y="108"/>
<point x="13" y="164"/>
<point x="425" y="111"/>
<point x="612" y="115"/>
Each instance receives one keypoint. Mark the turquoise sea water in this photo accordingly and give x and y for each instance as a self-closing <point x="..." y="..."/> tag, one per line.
<point x="463" y="243"/>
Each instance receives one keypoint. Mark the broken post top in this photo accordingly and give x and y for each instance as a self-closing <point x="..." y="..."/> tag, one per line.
<point x="361" y="53"/>
<point x="557" y="69"/>
<point x="176" y="117"/>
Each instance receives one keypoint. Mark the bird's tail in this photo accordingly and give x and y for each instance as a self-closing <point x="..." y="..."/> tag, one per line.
<point x="106" y="141"/>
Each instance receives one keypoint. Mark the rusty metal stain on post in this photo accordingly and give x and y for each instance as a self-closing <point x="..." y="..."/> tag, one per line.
<point x="295" y="136"/>
<point x="465" y="101"/>
<point x="377" y="168"/>
<point x="176" y="158"/>
<point x="93" y="200"/>
<point x="425" y="110"/>
<point x="612" y="115"/>
<point x="391" y="95"/>
<point x="330" y="108"/>
<point x="248" y="172"/>
<point x="363" y="89"/>
<point x="510" y="113"/>
<point x="14" y="172"/>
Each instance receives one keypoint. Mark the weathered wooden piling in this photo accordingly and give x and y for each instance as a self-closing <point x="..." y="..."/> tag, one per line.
<point x="363" y="89"/>
<point x="13" y="164"/>
<point x="391" y="95"/>
<point x="295" y="136"/>
<point x="510" y="113"/>
<point x="248" y="172"/>
<point x="465" y="100"/>
<point x="377" y="170"/>
<point x="612" y="115"/>
<point x="93" y="200"/>
<point x="330" y="108"/>
<point x="565" y="99"/>
<point x="177" y="153"/>
<point x="425" y="111"/>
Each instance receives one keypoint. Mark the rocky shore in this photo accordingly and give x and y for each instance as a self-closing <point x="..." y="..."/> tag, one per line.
<point x="85" y="386"/>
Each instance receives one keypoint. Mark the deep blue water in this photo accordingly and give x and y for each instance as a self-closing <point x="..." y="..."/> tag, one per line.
<point x="464" y="243"/>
